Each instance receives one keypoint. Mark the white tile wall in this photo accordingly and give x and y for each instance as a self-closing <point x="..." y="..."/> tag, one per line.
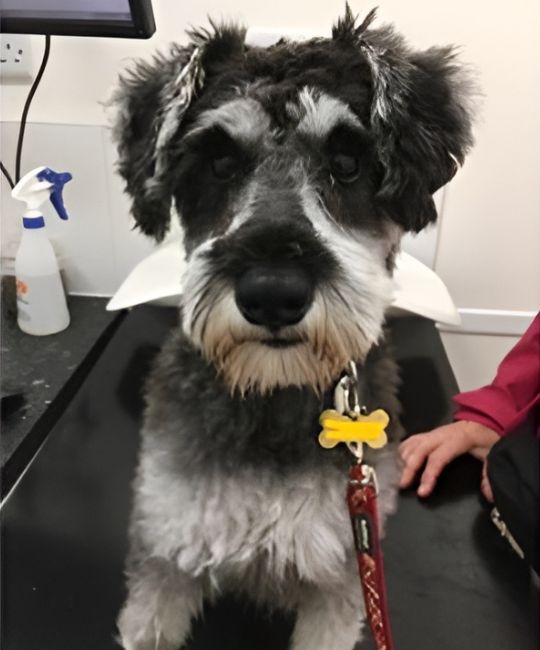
<point x="97" y="247"/>
<point x="475" y="357"/>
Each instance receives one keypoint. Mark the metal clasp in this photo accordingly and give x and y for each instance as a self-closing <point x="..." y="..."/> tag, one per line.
<point x="503" y="529"/>
<point x="357" y="450"/>
<point x="350" y="385"/>
<point x="369" y="478"/>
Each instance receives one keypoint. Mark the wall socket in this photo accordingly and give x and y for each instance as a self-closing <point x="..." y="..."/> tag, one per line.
<point x="15" y="59"/>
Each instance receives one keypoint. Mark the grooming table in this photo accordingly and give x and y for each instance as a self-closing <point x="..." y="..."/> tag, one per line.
<point x="453" y="583"/>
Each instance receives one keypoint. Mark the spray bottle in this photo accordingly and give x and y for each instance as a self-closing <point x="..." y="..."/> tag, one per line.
<point x="41" y="301"/>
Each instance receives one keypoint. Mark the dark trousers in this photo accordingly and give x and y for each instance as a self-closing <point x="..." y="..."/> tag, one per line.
<point x="513" y="471"/>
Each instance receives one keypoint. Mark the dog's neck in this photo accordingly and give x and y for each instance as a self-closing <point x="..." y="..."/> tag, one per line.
<point x="279" y="428"/>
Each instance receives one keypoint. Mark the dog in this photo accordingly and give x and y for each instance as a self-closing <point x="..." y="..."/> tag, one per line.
<point x="295" y="170"/>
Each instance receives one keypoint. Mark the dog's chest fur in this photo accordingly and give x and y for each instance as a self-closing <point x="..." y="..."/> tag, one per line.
<point x="237" y="490"/>
<point x="252" y="526"/>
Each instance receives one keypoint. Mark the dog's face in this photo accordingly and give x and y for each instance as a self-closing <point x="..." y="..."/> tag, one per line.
<point x="295" y="170"/>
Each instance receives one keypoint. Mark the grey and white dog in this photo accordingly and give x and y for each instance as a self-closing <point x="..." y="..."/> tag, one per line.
<point x="295" y="170"/>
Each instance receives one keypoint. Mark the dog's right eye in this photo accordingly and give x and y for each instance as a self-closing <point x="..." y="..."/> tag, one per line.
<point x="225" y="167"/>
<point x="344" y="167"/>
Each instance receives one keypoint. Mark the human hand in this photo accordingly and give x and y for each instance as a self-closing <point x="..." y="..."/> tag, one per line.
<point x="485" y="485"/>
<point x="438" y="447"/>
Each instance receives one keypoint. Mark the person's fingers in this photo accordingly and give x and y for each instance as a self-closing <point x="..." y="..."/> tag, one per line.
<point x="436" y="462"/>
<point x="415" y="443"/>
<point x="416" y="439"/>
<point x="429" y="439"/>
<point x="407" y="476"/>
<point x="405" y="447"/>
<point x="429" y="477"/>
<point x="452" y="447"/>
<point x="438" y="447"/>
<point x="413" y="459"/>
<point x="485" y="488"/>
<point x="485" y="485"/>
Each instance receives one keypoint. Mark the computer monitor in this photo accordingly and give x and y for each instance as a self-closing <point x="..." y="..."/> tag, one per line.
<point x="116" y="18"/>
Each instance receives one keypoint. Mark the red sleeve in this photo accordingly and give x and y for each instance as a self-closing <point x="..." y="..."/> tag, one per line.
<point x="515" y="391"/>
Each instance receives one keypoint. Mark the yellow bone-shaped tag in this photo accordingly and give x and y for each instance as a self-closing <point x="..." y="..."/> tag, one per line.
<point x="365" y="428"/>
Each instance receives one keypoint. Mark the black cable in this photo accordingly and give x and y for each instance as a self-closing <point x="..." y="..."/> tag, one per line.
<point x="7" y="175"/>
<point x="26" y="108"/>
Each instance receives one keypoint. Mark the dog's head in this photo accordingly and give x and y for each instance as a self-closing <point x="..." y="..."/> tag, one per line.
<point x="294" y="170"/>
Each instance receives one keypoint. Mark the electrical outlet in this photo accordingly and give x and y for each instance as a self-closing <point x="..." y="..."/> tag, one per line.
<point x="15" y="59"/>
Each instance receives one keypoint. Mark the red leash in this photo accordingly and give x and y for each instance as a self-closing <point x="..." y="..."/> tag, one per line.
<point x="350" y="423"/>
<point x="362" y="501"/>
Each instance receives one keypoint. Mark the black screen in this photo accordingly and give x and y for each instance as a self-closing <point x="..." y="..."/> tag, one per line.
<point x="124" y="18"/>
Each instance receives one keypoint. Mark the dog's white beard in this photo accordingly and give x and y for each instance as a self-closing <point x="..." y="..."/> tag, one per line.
<point x="328" y="337"/>
<point x="343" y="322"/>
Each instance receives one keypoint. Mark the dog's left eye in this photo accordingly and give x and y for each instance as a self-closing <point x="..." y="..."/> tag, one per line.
<point x="344" y="167"/>
<point x="225" y="167"/>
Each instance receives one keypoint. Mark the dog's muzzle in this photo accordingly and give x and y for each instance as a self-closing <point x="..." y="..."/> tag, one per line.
<point x="274" y="297"/>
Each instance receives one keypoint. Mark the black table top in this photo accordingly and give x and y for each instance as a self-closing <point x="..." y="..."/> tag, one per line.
<point x="453" y="583"/>
<point x="36" y="369"/>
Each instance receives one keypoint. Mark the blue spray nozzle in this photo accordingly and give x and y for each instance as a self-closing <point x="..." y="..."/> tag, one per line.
<point x="57" y="180"/>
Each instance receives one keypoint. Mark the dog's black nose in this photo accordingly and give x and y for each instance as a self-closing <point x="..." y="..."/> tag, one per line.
<point x="274" y="297"/>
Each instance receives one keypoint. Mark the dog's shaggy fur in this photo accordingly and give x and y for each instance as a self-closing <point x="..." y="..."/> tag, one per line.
<point x="295" y="169"/>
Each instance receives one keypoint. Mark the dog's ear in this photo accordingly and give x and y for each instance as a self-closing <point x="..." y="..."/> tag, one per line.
<point x="421" y="118"/>
<point x="151" y="102"/>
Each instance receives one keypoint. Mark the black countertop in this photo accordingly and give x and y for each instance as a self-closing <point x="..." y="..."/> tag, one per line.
<point x="39" y="369"/>
<point x="453" y="582"/>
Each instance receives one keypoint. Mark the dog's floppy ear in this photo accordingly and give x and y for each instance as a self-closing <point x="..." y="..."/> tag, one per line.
<point x="421" y="118"/>
<point x="152" y="100"/>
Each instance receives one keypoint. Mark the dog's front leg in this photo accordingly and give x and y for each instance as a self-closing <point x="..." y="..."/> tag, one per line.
<point x="160" y="606"/>
<point x="329" y="619"/>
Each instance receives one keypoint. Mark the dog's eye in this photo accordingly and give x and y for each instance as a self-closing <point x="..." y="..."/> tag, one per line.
<point x="225" y="167"/>
<point x="344" y="167"/>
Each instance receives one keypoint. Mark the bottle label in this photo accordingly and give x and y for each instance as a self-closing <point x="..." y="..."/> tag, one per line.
<point x="41" y="304"/>
<point x="22" y="300"/>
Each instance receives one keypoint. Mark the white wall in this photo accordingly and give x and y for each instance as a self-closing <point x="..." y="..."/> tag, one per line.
<point x="490" y="230"/>
<point x="97" y="247"/>
<point x="475" y="358"/>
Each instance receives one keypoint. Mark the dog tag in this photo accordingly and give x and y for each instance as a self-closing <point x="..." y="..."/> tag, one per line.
<point x="338" y="427"/>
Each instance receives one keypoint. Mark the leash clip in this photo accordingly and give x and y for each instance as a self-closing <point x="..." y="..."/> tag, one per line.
<point x="357" y="450"/>
<point x="350" y="385"/>
<point x="369" y="477"/>
<point x="349" y="422"/>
